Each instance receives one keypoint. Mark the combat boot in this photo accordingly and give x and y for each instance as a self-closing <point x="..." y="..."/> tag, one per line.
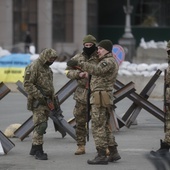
<point x="100" y="159"/>
<point x="34" y="148"/>
<point x="114" y="155"/>
<point x="39" y="154"/>
<point x="80" y="150"/>
<point x="164" y="148"/>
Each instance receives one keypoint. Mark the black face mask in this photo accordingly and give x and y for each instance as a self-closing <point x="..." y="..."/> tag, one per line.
<point x="89" y="51"/>
<point x="48" y="63"/>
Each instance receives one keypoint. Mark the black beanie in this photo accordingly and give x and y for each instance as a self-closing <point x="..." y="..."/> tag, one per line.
<point x="106" y="44"/>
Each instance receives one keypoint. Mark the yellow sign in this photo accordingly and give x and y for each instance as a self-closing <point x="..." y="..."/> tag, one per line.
<point x="11" y="75"/>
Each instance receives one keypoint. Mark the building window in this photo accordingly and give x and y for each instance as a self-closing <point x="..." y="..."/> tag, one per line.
<point x="62" y="17"/>
<point x="24" y="19"/>
<point x="153" y="13"/>
<point x="92" y="24"/>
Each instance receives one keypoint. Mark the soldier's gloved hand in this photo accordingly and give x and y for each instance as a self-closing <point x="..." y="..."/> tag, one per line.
<point x="51" y="105"/>
<point x="72" y="63"/>
<point x="49" y="102"/>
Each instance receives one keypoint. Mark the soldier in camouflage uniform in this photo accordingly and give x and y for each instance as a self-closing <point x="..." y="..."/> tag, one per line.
<point x="165" y="145"/>
<point x="38" y="83"/>
<point x="104" y="75"/>
<point x="88" y="54"/>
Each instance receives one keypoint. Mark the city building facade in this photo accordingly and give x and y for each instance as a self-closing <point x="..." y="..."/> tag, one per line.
<point x="62" y="24"/>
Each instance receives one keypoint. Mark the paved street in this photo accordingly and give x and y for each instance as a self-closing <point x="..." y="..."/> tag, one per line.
<point x="134" y="142"/>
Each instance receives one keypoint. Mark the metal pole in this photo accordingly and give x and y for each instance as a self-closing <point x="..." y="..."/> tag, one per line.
<point x="128" y="10"/>
<point x="127" y="41"/>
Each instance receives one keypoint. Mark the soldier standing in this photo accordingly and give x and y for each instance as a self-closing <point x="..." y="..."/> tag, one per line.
<point x="165" y="144"/>
<point x="28" y="41"/>
<point x="104" y="75"/>
<point x="38" y="83"/>
<point x="89" y="54"/>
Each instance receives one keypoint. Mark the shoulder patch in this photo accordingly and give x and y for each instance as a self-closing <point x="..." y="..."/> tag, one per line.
<point x="27" y="75"/>
<point x="103" y="64"/>
<point x="28" y="72"/>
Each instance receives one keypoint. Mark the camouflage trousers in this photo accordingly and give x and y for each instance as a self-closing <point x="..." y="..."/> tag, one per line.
<point x="40" y="115"/>
<point x="102" y="133"/>
<point x="167" y="127"/>
<point x="80" y="118"/>
<point x="167" y="118"/>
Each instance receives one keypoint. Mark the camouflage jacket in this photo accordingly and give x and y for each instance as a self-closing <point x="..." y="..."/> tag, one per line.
<point x="38" y="78"/>
<point x="104" y="74"/>
<point x="80" y="93"/>
<point x="168" y="76"/>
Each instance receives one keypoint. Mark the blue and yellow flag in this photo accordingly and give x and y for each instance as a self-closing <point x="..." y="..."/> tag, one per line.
<point x="12" y="67"/>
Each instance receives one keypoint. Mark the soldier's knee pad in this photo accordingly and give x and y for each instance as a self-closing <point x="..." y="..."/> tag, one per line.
<point x="41" y="128"/>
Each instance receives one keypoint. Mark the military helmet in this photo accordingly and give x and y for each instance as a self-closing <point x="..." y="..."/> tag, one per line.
<point x="89" y="39"/>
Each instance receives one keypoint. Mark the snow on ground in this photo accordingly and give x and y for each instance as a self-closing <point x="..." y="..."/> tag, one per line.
<point x="152" y="44"/>
<point x="4" y="52"/>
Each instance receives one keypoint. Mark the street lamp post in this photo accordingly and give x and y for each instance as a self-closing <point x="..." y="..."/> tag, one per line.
<point x="127" y="40"/>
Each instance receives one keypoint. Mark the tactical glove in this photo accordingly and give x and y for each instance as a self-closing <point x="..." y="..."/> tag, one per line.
<point x="50" y="104"/>
<point x="72" y="63"/>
